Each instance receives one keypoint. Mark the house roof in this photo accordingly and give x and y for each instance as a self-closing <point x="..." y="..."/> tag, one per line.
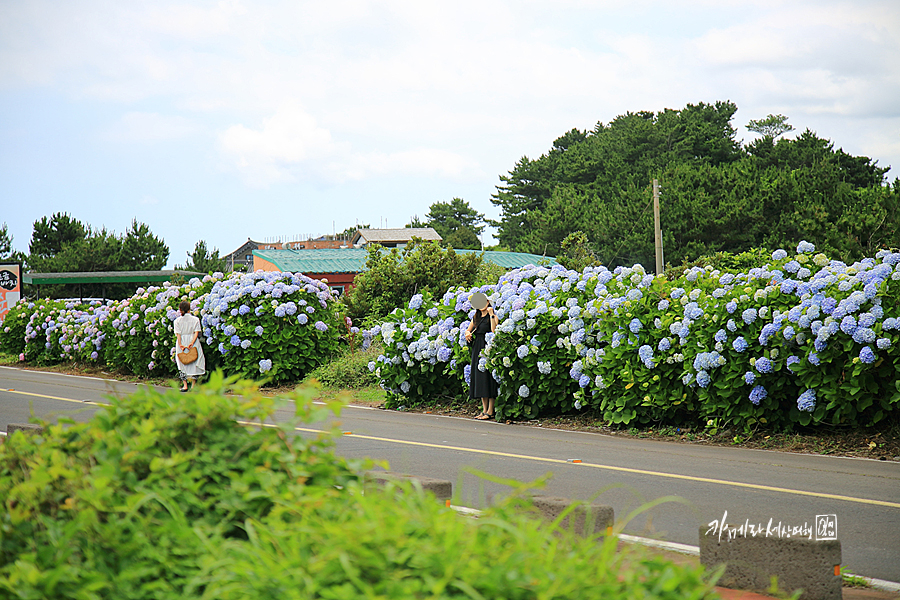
<point x="353" y="260"/>
<point x="405" y="234"/>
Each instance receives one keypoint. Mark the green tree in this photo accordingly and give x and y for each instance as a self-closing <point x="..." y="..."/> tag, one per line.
<point x="51" y="235"/>
<point x="204" y="260"/>
<point x="6" y="247"/>
<point x="393" y="276"/>
<point x="62" y="244"/>
<point x="457" y="223"/>
<point x="716" y="195"/>
<point x="141" y="250"/>
<point x="772" y="126"/>
<point x="416" y="223"/>
<point x="576" y="253"/>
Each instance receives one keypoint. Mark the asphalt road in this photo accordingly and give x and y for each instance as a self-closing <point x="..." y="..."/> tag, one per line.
<point x="754" y="485"/>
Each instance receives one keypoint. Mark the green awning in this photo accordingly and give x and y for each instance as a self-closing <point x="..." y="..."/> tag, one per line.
<point x="107" y="277"/>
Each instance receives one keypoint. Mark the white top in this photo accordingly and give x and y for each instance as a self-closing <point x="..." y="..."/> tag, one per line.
<point x="185" y="326"/>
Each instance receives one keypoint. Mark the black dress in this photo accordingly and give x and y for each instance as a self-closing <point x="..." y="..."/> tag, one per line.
<point x="482" y="384"/>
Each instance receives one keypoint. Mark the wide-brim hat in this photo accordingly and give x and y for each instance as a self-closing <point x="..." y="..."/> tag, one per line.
<point x="479" y="301"/>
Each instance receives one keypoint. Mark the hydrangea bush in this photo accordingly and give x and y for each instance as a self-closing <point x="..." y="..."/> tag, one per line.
<point x="799" y="340"/>
<point x="265" y="325"/>
<point x="12" y="338"/>
<point x="272" y="324"/>
<point x="59" y="331"/>
<point x="140" y="328"/>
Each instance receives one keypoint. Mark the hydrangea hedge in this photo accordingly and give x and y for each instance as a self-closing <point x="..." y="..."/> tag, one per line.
<point x="281" y="325"/>
<point x="273" y="325"/>
<point x="799" y="340"/>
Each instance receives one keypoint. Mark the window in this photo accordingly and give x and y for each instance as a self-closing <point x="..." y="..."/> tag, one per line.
<point x="338" y="289"/>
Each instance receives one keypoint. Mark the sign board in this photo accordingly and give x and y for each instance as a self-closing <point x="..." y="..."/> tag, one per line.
<point x="10" y="287"/>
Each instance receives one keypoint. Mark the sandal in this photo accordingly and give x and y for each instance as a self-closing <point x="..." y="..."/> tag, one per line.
<point x="483" y="417"/>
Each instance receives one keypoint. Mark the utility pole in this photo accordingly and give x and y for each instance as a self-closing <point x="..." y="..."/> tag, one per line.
<point x="656" y="228"/>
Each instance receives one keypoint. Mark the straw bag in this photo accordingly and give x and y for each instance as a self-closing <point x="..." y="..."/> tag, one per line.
<point x="188" y="356"/>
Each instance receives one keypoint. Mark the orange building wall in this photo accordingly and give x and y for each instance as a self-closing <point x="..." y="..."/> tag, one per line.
<point x="261" y="264"/>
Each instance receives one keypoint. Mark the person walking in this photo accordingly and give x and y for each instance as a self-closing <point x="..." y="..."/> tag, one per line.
<point x="481" y="383"/>
<point x="187" y="336"/>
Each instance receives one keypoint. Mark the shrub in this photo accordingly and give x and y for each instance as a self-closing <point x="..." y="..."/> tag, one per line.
<point x="12" y="329"/>
<point x="275" y="325"/>
<point x="798" y="340"/>
<point x="134" y="502"/>
<point x="393" y="276"/>
<point x="349" y="370"/>
<point x="139" y="330"/>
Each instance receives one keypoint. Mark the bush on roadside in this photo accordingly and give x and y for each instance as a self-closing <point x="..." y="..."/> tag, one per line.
<point x="349" y="370"/>
<point x="799" y="339"/>
<point x="393" y="276"/>
<point x="12" y="330"/>
<point x="274" y="325"/>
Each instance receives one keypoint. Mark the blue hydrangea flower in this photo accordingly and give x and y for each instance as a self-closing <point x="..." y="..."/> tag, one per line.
<point x="444" y="354"/>
<point x="866" y="355"/>
<point x="739" y="344"/>
<point x="522" y="351"/>
<point x="245" y="344"/>
<point x="764" y="365"/>
<point x="584" y="380"/>
<point x="703" y="379"/>
<point x="524" y="392"/>
<point x="749" y="377"/>
<point x="807" y="401"/>
<point x="235" y="340"/>
<point x="244" y="309"/>
<point x="646" y="354"/>
<point x="415" y="303"/>
<point x="749" y="315"/>
<point x="757" y="394"/>
<point x="663" y="305"/>
<point x="635" y="326"/>
<point x="544" y="367"/>
<point x="779" y="254"/>
<point x="883" y="343"/>
<point x="813" y="359"/>
<point x="302" y="319"/>
<point x="321" y="326"/>
<point x="864" y="335"/>
<point x="664" y="344"/>
<point x="372" y="366"/>
<point x="805" y="247"/>
<point x="404" y="386"/>
<point x="432" y="312"/>
<point x="721" y="336"/>
<point x="791" y="361"/>
<point x="258" y="330"/>
<point x="265" y="365"/>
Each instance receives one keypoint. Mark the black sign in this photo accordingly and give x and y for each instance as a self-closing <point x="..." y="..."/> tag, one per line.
<point x="8" y="280"/>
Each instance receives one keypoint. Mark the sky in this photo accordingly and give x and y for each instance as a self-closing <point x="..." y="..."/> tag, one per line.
<point x="222" y="121"/>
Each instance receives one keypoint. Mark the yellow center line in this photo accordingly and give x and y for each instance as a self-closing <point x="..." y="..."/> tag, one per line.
<point x="754" y="486"/>
<point x="767" y="488"/>
<point x="9" y="391"/>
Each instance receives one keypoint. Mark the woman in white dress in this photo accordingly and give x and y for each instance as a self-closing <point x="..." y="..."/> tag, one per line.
<point x="187" y="335"/>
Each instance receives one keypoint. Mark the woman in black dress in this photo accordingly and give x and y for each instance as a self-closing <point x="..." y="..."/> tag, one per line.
<point x="481" y="383"/>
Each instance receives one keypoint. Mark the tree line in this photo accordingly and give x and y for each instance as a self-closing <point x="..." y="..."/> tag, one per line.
<point x="61" y="243"/>
<point x="718" y="195"/>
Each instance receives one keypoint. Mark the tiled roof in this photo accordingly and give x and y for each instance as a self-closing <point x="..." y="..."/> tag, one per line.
<point x="353" y="260"/>
<point x="405" y="234"/>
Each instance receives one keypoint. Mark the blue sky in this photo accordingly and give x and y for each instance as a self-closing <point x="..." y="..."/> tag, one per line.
<point x="227" y="120"/>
